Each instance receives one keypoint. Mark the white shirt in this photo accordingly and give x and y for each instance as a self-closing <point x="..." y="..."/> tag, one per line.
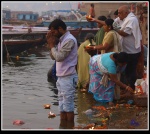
<point x="128" y="42"/>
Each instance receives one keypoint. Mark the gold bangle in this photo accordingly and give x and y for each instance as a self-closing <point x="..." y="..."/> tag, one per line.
<point x="127" y="87"/>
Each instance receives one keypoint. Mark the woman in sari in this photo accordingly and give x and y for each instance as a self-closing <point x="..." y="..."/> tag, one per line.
<point x="111" y="41"/>
<point x="83" y="62"/>
<point x="103" y="75"/>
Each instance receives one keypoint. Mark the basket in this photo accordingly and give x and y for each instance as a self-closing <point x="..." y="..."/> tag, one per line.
<point x="140" y="100"/>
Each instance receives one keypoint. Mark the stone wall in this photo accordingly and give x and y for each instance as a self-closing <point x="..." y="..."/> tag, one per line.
<point x="101" y="8"/>
<point x="108" y="9"/>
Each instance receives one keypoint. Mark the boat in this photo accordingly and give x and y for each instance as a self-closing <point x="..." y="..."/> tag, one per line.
<point x="72" y="18"/>
<point x="13" y="46"/>
<point x="21" y="32"/>
<point x="20" y="38"/>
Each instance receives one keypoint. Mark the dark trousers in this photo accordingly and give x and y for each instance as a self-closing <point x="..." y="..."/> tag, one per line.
<point x="130" y="71"/>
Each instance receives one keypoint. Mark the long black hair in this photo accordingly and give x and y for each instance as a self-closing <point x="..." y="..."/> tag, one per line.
<point x="121" y="57"/>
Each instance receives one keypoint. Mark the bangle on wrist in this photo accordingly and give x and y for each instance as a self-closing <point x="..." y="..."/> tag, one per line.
<point x="127" y="87"/>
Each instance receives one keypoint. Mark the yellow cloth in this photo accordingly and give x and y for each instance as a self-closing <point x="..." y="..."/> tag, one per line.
<point x="108" y="38"/>
<point x="83" y="65"/>
<point x="112" y="38"/>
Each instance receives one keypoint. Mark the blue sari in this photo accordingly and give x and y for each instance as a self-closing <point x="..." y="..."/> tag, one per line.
<point x="100" y="92"/>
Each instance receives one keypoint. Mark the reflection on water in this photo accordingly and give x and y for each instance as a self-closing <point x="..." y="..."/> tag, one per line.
<point x="25" y="90"/>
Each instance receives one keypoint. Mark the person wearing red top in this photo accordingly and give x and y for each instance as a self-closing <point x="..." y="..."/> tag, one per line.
<point x="92" y="14"/>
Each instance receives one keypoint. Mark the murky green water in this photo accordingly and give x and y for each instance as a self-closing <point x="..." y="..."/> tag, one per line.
<point x="25" y="90"/>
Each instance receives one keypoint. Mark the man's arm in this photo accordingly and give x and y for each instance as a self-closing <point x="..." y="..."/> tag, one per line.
<point x="64" y="51"/>
<point x="122" y="33"/>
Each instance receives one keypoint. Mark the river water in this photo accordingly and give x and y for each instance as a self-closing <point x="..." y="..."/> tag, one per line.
<point x="25" y="90"/>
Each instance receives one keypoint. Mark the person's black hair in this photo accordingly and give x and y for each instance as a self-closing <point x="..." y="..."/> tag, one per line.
<point x="121" y="57"/>
<point x="90" y="37"/>
<point x="109" y="22"/>
<point x="116" y="12"/>
<point x="92" y="5"/>
<point x="103" y="18"/>
<point x="57" y="23"/>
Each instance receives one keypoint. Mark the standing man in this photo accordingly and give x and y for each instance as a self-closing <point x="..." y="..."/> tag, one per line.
<point x="131" y="38"/>
<point x="65" y="54"/>
<point x="92" y="14"/>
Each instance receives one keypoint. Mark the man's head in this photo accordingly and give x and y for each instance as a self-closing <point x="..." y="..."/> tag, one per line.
<point x="123" y="11"/>
<point x="57" y="27"/>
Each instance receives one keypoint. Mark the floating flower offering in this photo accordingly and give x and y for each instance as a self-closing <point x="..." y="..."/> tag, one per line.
<point x="47" y="106"/>
<point x="18" y="122"/>
<point x="99" y="107"/>
<point x="51" y="115"/>
<point x="92" y="126"/>
<point x="17" y="57"/>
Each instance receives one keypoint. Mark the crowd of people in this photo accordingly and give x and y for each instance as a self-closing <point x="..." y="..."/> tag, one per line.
<point x="117" y="44"/>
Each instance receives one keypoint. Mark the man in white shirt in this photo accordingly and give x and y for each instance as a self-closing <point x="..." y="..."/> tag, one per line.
<point x="131" y="38"/>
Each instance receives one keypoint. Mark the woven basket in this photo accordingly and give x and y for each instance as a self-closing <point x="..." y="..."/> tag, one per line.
<point x="140" y="100"/>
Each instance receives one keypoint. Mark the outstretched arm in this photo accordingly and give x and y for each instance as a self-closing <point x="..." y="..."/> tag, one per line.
<point x="95" y="20"/>
<point x="114" y="78"/>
